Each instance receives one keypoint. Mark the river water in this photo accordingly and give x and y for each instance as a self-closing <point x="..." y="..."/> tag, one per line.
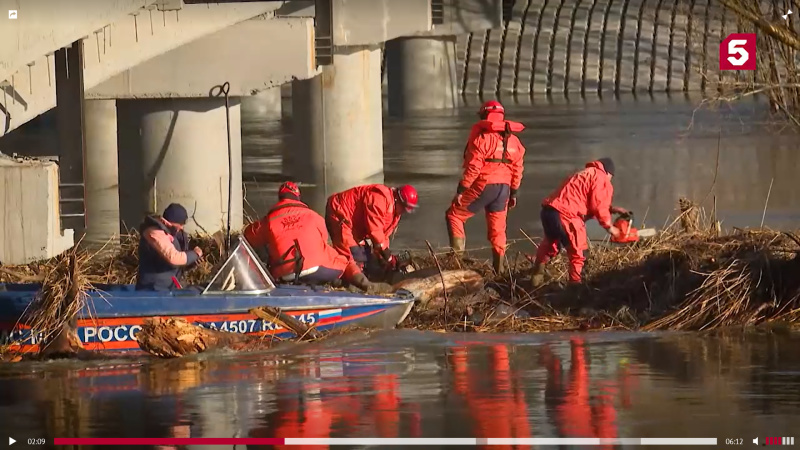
<point x="663" y="148"/>
<point x="413" y="384"/>
<point x="405" y="383"/>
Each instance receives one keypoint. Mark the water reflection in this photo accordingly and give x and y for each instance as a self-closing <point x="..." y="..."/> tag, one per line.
<point x="403" y="384"/>
<point x="496" y="408"/>
<point x="577" y="412"/>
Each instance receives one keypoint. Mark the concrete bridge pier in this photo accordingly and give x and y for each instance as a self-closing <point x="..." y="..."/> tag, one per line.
<point x="421" y="74"/>
<point x="337" y="122"/>
<point x="176" y="150"/>
<point x="102" y="180"/>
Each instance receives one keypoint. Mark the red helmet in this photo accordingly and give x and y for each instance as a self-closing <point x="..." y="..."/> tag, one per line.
<point x="289" y="188"/>
<point x="492" y="106"/>
<point x="407" y="196"/>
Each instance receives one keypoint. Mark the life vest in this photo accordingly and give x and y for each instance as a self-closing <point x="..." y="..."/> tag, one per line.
<point x="506" y="128"/>
<point x="504" y="159"/>
<point x="155" y="273"/>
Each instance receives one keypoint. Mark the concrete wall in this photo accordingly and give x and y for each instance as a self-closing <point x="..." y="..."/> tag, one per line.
<point x="465" y="16"/>
<point x="125" y="43"/>
<point x="43" y="26"/>
<point x="246" y="54"/>
<point x="573" y="45"/>
<point x="366" y="22"/>
<point x="564" y="46"/>
<point x="30" y="228"/>
<point x="176" y="150"/>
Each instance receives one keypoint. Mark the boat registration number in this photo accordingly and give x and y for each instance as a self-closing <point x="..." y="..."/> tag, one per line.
<point x="253" y="325"/>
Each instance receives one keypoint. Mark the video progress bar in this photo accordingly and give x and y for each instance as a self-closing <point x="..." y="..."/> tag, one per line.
<point x="385" y="441"/>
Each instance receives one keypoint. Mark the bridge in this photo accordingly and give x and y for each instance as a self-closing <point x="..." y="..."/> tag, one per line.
<point x="147" y="93"/>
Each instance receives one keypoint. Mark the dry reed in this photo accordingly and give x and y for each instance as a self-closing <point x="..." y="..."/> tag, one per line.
<point x="66" y="278"/>
<point x="776" y="75"/>
<point x="687" y="278"/>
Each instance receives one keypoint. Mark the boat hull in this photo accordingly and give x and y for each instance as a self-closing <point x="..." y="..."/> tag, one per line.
<point x="106" y="328"/>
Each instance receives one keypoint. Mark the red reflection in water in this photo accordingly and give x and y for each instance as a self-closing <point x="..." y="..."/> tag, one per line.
<point x="500" y="410"/>
<point x="577" y="412"/>
<point x="369" y="406"/>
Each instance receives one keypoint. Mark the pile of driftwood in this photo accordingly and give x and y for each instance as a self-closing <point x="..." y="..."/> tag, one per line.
<point x="689" y="277"/>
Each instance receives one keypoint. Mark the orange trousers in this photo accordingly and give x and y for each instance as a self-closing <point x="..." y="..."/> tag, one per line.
<point x="493" y="199"/>
<point x="559" y="232"/>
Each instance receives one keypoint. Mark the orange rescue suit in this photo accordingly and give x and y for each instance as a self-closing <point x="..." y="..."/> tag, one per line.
<point x="485" y="161"/>
<point x="359" y="213"/>
<point x="582" y="196"/>
<point x="493" y="166"/>
<point x="291" y="225"/>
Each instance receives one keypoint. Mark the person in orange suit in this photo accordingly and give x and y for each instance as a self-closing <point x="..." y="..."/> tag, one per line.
<point x="368" y="212"/>
<point x="583" y="195"/>
<point x="493" y="166"/>
<point x="500" y="413"/>
<point x="297" y="244"/>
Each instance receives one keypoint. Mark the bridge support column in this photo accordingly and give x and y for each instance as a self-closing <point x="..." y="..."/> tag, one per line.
<point x="102" y="180"/>
<point x="337" y="122"/>
<point x="421" y="74"/>
<point x="264" y="106"/>
<point x="176" y="150"/>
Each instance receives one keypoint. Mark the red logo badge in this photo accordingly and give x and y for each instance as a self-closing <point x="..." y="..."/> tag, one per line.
<point x="738" y="52"/>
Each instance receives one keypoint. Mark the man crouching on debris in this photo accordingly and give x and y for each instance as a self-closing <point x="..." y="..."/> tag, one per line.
<point x="297" y="244"/>
<point x="583" y="195"/>
<point x="164" y="250"/>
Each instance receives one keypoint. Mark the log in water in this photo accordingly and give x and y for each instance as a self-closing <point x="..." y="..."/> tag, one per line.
<point x="456" y="282"/>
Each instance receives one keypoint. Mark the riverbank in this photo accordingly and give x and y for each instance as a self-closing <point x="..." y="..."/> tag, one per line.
<point x="689" y="277"/>
<point x="679" y="280"/>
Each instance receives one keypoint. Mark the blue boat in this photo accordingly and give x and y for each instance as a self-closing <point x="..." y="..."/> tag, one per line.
<point x="114" y="314"/>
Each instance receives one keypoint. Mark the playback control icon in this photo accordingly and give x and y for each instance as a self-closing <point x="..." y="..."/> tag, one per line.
<point x="776" y="441"/>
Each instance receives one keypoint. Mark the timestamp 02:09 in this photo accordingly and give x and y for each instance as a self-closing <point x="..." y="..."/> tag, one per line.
<point x="37" y="441"/>
<point x="734" y="441"/>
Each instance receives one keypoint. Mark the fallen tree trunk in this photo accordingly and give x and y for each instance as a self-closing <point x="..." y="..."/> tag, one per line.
<point x="173" y="337"/>
<point x="275" y="315"/>
<point x="457" y="282"/>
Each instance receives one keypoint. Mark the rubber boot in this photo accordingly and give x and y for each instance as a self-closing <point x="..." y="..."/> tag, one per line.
<point x="537" y="275"/>
<point x="499" y="263"/>
<point x="458" y="243"/>
<point x="360" y="281"/>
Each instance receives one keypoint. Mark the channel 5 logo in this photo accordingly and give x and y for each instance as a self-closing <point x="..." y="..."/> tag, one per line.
<point x="738" y="52"/>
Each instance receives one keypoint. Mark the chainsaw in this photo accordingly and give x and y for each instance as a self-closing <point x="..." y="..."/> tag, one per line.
<point x="629" y="233"/>
<point x="403" y="263"/>
<point x="400" y="263"/>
